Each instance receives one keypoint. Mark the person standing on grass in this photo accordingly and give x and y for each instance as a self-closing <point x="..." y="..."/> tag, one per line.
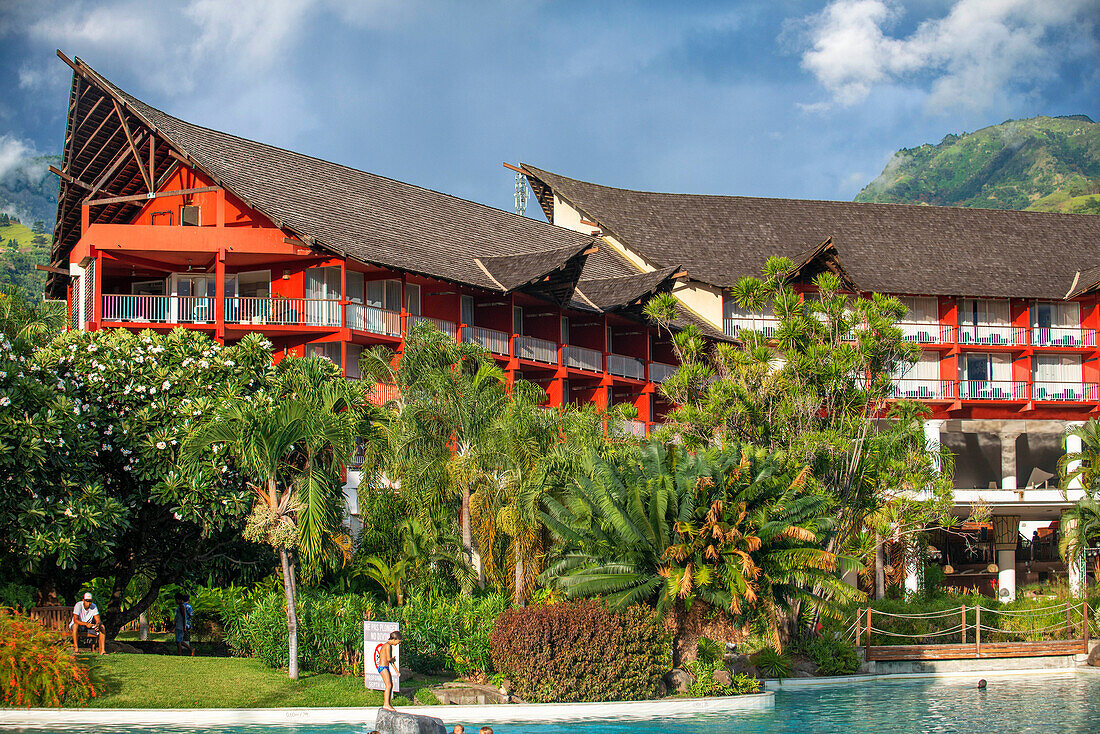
<point x="386" y="661"/>
<point x="86" y="616"/>
<point x="184" y="614"/>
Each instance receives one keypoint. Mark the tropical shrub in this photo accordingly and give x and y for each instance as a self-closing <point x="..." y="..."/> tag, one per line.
<point x="581" y="651"/>
<point x="704" y="684"/>
<point x="16" y="595"/>
<point x="449" y="633"/>
<point x="772" y="663"/>
<point x="832" y="656"/>
<point x="37" y="668"/>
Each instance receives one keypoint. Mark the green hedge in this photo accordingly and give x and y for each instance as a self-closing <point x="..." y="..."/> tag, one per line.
<point x="581" y="651"/>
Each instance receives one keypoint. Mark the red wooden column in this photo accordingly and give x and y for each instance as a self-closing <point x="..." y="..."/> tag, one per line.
<point x="344" y="299"/>
<point x="219" y="296"/>
<point x="97" y="289"/>
<point x="219" y="208"/>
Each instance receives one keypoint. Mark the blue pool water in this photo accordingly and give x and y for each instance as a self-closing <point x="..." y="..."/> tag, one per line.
<point x="1046" y="704"/>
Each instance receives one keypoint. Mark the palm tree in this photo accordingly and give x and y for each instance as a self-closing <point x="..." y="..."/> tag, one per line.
<point x="29" y="324"/>
<point x="1080" y="528"/>
<point x="261" y="437"/>
<point x="709" y="539"/>
<point x="1086" y="462"/>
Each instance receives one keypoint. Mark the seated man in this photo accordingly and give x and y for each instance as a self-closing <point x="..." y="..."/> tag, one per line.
<point x="86" y="617"/>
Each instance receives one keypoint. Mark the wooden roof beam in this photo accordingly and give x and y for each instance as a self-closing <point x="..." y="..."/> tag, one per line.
<point x="133" y="146"/>
<point x="66" y="177"/>
<point x="152" y="195"/>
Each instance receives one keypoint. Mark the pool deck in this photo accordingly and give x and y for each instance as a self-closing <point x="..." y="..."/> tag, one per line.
<point x="488" y="714"/>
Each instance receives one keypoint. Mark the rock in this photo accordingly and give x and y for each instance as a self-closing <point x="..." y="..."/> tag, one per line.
<point x="1094" y="657"/>
<point x="723" y="677"/>
<point x="742" y="665"/>
<point x="396" y="722"/>
<point x="662" y="689"/>
<point x="115" y="646"/>
<point x="678" y="680"/>
<point x="803" y="667"/>
<point x="405" y="673"/>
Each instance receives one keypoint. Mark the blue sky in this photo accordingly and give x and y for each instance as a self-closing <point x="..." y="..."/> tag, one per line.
<point x="792" y="98"/>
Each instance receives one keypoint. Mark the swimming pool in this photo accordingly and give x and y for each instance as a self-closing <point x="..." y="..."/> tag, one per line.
<point x="1048" y="703"/>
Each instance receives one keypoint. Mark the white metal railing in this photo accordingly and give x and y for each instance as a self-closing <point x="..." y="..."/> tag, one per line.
<point x="282" y="311"/>
<point x="373" y="319"/>
<point x="634" y="428"/>
<point x="582" y="358"/>
<point x="1064" y="391"/>
<point x="991" y="335"/>
<point x="926" y="389"/>
<point x="381" y="393"/>
<point x="158" y="309"/>
<point x="993" y="390"/>
<point x="927" y="332"/>
<point x="449" y="328"/>
<point x="623" y="366"/>
<point x="1062" y="336"/>
<point x="765" y="324"/>
<point x="536" y="350"/>
<point x="493" y="340"/>
<point x="659" y="371"/>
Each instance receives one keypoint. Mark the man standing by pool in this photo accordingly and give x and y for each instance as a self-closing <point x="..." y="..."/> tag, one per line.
<point x="86" y="617"/>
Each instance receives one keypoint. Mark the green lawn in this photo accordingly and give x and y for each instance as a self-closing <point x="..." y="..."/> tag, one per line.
<point x="162" y="681"/>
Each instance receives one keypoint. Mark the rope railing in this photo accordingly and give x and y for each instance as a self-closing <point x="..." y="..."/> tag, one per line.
<point x="1006" y="626"/>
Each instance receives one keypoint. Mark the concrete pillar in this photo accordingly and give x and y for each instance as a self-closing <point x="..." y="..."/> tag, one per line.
<point x="1008" y="459"/>
<point x="1075" y="566"/>
<point x="1006" y="531"/>
<point x="912" y="575"/>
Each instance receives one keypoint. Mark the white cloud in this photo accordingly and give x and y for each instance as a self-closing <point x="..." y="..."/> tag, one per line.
<point x="14" y="153"/>
<point x="967" y="58"/>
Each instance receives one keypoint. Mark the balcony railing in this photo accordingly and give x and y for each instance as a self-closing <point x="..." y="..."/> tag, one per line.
<point x="449" y="328"/>
<point x="983" y="334"/>
<point x="918" y="389"/>
<point x="536" y="350"/>
<point x="382" y="393"/>
<point x="659" y="371"/>
<point x="623" y="366"/>
<point x="582" y="358"/>
<point x="927" y="332"/>
<point x="373" y="319"/>
<point x="158" y="309"/>
<point x="993" y="390"/>
<point x="765" y="324"/>
<point x="282" y="311"/>
<point x="1062" y="336"/>
<point x="1065" y="391"/>
<point x="634" y="428"/>
<point x="493" y="340"/>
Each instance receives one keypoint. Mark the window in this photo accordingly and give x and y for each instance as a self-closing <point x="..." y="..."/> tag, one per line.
<point x="564" y="329"/>
<point x="1056" y="324"/>
<point x="921" y="380"/>
<point x="736" y="318"/>
<point x="468" y="310"/>
<point x="412" y="299"/>
<point x="355" y="287"/>
<point x="1056" y="377"/>
<point x="323" y="283"/>
<point x="984" y="322"/>
<point x="355" y="351"/>
<point x="986" y="376"/>
<point x="384" y="294"/>
<point x="607" y="346"/>
<point x="189" y="216"/>
<point x="328" y="350"/>
<point x="517" y="320"/>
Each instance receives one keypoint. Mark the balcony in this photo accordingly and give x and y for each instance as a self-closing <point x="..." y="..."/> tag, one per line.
<point x="1062" y="336"/>
<point x="632" y="367"/>
<point x="536" y="350"/>
<point x="987" y="335"/>
<point x="659" y="371"/>
<point x="381" y="393"/>
<point x="158" y="309"/>
<point x="449" y="328"/>
<point x="282" y="311"/>
<point x="373" y="319"/>
<point x="765" y="324"/>
<point x="582" y="358"/>
<point x="927" y="332"/>
<point x="927" y="389"/>
<point x="634" y="428"/>
<point x="1064" y="391"/>
<point x="993" y="390"/>
<point x="493" y="340"/>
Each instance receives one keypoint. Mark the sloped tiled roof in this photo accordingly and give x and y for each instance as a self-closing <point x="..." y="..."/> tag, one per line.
<point x="370" y="218"/>
<point x="888" y="248"/>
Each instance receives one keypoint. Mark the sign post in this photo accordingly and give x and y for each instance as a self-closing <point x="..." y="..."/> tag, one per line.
<point x="375" y="634"/>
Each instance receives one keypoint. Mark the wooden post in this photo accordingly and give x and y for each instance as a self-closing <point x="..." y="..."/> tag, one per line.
<point x="978" y="630"/>
<point x="867" y="649"/>
<point x="964" y="624"/>
<point x="859" y="625"/>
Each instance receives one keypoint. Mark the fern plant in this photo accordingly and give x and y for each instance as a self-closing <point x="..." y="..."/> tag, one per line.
<point x="772" y="663"/>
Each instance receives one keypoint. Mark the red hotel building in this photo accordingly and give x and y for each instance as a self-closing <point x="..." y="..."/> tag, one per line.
<point x="164" y="224"/>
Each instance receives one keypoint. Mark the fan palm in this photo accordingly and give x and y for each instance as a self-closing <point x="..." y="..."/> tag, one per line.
<point x="1080" y="528"/>
<point x="1084" y="465"/>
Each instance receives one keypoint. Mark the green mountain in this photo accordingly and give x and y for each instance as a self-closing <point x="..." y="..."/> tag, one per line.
<point x="28" y="204"/>
<point x="1041" y="164"/>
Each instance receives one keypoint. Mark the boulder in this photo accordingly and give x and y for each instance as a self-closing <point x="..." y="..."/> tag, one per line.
<point x="662" y="689"/>
<point x="396" y="722"/>
<point x="1094" y="657"/>
<point x="723" y="677"/>
<point x="803" y="667"/>
<point x="678" y="680"/>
